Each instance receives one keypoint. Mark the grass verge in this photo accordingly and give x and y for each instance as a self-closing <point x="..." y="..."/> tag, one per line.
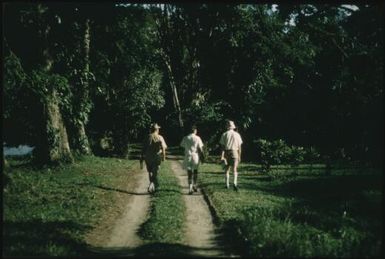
<point x="48" y="211"/>
<point x="303" y="215"/>
<point x="167" y="210"/>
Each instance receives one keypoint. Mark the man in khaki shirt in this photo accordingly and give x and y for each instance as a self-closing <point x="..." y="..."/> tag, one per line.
<point x="153" y="153"/>
<point x="231" y="142"/>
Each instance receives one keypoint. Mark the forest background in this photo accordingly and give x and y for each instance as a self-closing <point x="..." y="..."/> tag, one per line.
<point x="302" y="82"/>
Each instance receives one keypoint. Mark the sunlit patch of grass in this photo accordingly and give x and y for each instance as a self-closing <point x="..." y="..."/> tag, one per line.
<point x="304" y="215"/>
<point x="48" y="211"/>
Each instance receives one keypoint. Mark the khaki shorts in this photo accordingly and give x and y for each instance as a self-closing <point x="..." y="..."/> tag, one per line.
<point x="231" y="156"/>
<point x="153" y="163"/>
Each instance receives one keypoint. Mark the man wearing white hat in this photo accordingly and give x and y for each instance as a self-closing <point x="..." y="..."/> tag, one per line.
<point x="153" y="153"/>
<point x="231" y="142"/>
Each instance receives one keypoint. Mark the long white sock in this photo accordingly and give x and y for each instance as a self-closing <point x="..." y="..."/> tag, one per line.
<point x="227" y="179"/>
<point x="235" y="178"/>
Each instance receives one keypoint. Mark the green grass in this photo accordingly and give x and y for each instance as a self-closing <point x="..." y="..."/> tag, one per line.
<point x="48" y="211"/>
<point x="165" y="224"/>
<point x="299" y="215"/>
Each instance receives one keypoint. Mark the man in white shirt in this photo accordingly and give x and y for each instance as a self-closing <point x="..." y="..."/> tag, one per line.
<point x="231" y="142"/>
<point x="192" y="145"/>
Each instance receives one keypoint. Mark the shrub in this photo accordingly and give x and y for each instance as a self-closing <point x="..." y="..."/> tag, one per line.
<point x="278" y="152"/>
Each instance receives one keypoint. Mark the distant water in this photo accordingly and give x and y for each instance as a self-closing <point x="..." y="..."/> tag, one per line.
<point x="21" y="150"/>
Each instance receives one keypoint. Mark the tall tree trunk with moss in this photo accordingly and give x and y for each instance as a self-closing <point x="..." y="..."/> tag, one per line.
<point x="80" y="139"/>
<point x="57" y="139"/>
<point x="55" y="147"/>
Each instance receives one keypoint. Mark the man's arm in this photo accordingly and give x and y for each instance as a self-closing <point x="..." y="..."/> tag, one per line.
<point x="223" y="154"/>
<point x="239" y="153"/>
<point x="142" y="154"/>
<point x="164" y="146"/>
<point x="222" y="144"/>
<point x="240" y="148"/>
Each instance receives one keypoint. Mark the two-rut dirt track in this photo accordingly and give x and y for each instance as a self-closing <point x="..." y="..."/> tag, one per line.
<point x="201" y="236"/>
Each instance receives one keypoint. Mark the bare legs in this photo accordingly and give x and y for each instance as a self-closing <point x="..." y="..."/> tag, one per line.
<point x="227" y="176"/>
<point x="153" y="177"/>
<point x="234" y="168"/>
<point x="192" y="180"/>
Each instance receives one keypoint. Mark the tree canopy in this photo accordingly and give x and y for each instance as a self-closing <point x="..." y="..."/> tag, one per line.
<point x="311" y="74"/>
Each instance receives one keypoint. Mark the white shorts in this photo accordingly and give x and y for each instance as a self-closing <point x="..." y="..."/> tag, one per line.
<point x="191" y="161"/>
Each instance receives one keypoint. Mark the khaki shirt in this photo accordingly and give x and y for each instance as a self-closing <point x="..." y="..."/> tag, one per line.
<point x="231" y="140"/>
<point x="152" y="148"/>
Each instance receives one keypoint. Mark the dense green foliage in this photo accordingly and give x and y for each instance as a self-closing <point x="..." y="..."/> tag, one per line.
<point x="308" y="215"/>
<point x="310" y="74"/>
<point x="48" y="211"/>
<point x="278" y="152"/>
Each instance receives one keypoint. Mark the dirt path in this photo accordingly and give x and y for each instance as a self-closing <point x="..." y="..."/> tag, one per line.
<point x="200" y="231"/>
<point x="200" y="239"/>
<point x="124" y="233"/>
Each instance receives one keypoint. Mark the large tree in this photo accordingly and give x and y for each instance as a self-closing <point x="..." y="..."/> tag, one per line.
<point x="38" y="22"/>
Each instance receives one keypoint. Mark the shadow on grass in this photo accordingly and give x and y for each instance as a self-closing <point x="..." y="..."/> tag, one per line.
<point x="159" y="190"/>
<point x="119" y="190"/>
<point x="46" y="239"/>
<point x="334" y="193"/>
<point x="38" y="238"/>
<point x="319" y="187"/>
<point x="321" y="201"/>
<point x="153" y="250"/>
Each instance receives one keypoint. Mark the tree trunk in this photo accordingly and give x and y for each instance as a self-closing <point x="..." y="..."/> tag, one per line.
<point x="55" y="147"/>
<point x="81" y="142"/>
<point x="175" y="97"/>
<point x="57" y="138"/>
<point x="165" y="39"/>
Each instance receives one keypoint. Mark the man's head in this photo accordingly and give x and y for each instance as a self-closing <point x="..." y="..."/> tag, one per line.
<point x="194" y="129"/>
<point x="230" y="125"/>
<point x="154" y="127"/>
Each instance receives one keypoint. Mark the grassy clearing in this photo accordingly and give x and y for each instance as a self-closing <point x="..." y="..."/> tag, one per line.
<point x="48" y="211"/>
<point x="165" y="224"/>
<point x="301" y="215"/>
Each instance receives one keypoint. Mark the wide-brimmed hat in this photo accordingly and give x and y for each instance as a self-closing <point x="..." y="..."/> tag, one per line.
<point x="154" y="126"/>
<point x="230" y="125"/>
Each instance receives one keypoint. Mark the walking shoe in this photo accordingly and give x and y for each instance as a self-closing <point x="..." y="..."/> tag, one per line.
<point x="235" y="188"/>
<point x="195" y="189"/>
<point x="151" y="188"/>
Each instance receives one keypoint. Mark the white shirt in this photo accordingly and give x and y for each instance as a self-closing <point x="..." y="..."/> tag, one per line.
<point x="191" y="143"/>
<point x="231" y="140"/>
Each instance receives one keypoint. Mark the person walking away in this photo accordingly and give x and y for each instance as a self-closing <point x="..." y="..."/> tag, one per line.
<point x="192" y="145"/>
<point x="153" y="153"/>
<point x="231" y="142"/>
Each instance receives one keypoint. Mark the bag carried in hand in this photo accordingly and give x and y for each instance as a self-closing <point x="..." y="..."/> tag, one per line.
<point x="202" y="156"/>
